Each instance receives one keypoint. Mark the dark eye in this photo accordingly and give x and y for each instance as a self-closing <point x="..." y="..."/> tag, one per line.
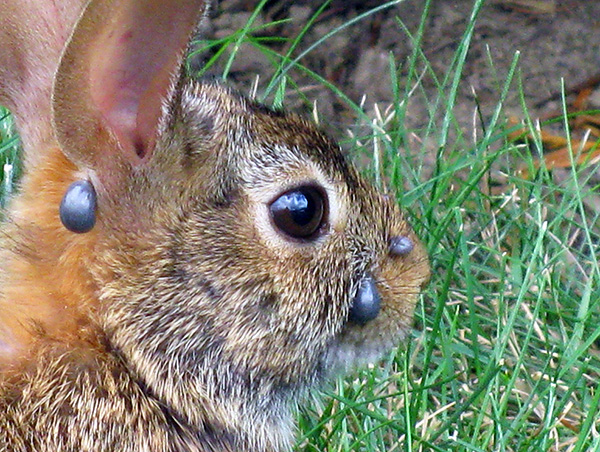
<point x="299" y="213"/>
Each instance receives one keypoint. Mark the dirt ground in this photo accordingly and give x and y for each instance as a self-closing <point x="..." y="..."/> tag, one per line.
<point x="556" y="39"/>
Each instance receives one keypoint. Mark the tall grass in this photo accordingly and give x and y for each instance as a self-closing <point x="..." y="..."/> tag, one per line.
<point x="504" y="354"/>
<point x="9" y="157"/>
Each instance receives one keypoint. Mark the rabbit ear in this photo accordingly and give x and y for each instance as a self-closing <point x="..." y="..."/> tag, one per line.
<point x="33" y="34"/>
<point x="115" y="76"/>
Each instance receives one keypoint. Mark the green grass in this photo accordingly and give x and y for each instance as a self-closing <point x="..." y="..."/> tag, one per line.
<point x="505" y="353"/>
<point x="9" y="157"/>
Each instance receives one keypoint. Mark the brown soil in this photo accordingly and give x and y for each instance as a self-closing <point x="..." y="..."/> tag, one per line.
<point x="557" y="40"/>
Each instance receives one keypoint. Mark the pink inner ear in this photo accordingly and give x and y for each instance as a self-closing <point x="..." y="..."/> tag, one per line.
<point x="132" y="65"/>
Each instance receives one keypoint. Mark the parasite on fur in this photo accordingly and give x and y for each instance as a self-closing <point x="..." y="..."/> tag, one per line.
<point x="367" y="302"/>
<point x="78" y="207"/>
<point x="401" y="246"/>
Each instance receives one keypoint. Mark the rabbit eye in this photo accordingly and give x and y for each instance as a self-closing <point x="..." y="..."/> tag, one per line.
<point x="299" y="213"/>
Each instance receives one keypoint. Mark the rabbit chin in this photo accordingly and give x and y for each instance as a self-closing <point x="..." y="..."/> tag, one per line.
<point x="352" y="350"/>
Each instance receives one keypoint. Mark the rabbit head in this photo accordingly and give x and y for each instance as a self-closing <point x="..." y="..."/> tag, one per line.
<point x="207" y="286"/>
<point x="237" y="257"/>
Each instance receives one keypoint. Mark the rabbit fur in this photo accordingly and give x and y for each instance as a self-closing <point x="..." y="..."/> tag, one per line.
<point x="184" y="321"/>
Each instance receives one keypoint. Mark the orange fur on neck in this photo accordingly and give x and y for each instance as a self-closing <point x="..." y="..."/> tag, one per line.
<point x="47" y="288"/>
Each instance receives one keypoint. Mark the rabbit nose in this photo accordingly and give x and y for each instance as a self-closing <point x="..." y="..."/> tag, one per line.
<point x="367" y="302"/>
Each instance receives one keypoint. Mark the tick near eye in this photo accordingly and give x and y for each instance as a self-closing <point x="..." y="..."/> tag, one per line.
<point x="300" y="212"/>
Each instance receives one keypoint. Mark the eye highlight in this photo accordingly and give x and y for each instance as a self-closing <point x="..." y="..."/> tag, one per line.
<point x="299" y="213"/>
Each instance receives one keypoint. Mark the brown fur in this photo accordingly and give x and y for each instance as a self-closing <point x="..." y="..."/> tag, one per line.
<point x="46" y="262"/>
<point x="183" y="321"/>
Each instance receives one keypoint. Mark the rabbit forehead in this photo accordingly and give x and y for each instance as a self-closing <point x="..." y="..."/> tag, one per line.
<point x="265" y="181"/>
<point x="251" y="135"/>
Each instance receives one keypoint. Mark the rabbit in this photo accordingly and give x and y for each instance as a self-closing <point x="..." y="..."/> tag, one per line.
<point x="181" y="265"/>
